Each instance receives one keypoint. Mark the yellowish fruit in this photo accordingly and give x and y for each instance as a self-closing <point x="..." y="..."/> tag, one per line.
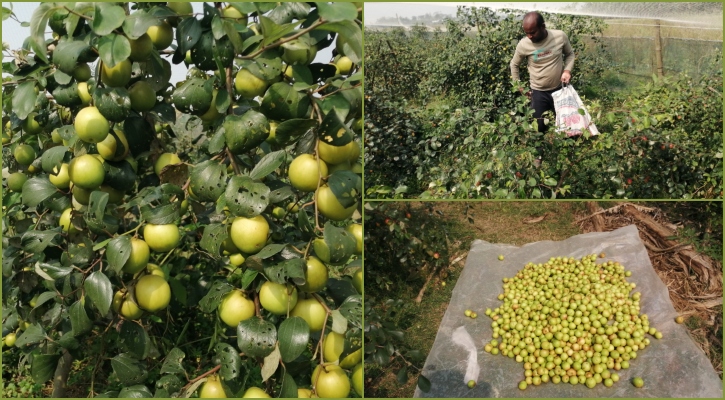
<point x="60" y="177"/>
<point x="312" y="312"/>
<point x="236" y="259"/>
<point x="277" y="298"/>
<point x="31" y="126"/>
<point x="161" y="35"/>
<point x="330" y="207"/>
<point x="212" y="113"/>
<point x="138" y="258"/>
<point x="10" y="339"/>
<point x="235" y="308"/>
<point x="142" y="95"/>
<point x="248" y="85"/>
<point x="303" y="393"/>
<point x="84" y="94"/>
<point x="305" y="171"/>
<point x="357" y="232"/>
<point x="91" y="126"/>
<point x="344" y="65"/>
<point x="161" y="238"/>
<point x="141" y="48"/>
<point x="357" y="379"/>
<point x="86" y="172"/>
<point x="335" y="154"/>
<point x="250" y="234"/>
<point x="153" y="293"/>
<point x="255" y="393"/>
<point x="330" y="382"/>
<point x="24" y="154"/>
<point x="65" y="221"/>
<point x="164" y="160"/>
<point x="129" y="309"/>
<point x="333" y="347"/>
<point x="357" y="281"/>
<point x="114" y="147"/>
<point x="231" y="12"/>
<point x="212" y="389"/>
<point x="118" y="75"/>
<point x="316" y="275"/>
<point x="16" y="180"/>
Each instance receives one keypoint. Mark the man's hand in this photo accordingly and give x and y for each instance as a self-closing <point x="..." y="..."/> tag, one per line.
<point x="528" y="94"/>
<point x="565" y="77"/>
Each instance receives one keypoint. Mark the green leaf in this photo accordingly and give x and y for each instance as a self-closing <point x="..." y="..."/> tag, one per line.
<point x="289" y="387"/>
<point x="128" y="370"/>
<point x="293" y="335"/>
<point x="233" y="36"/>
<point x="245" y="197"/>
<point x="213" y="298"/>
<point x="172" y="362"/>
<point x="423" y="383"/>
<point x="256" y="337"/>
<point x="550" y="181"/>
<point x="24" y="99"/>
<point x="340" y="243"/>
<point x="79" y="320"/>
<point x="249" y="276"/>
<point x="289" y="269"/>
<point x="270" y="365"/>
<point x="291" y="130"/>
<point x="267" y="165"/>
<point x="351" y="37"/>
<point x="213" y="237"/>
<point x="54" y="157"/>
<point x="38" y="23"/>
<point x="168" y="384"/>
<point x="32" y="335"/>
<point x="273" y="31"/>
<point x="304" y="223"/>
<point x="231" y="362"/>
<point x="106" y="18"/>
<point x="402" y="376"/>
<point x="99" y="290"/>
<point x="45" y="297"/>
<point x="135" y="391"/>
<point x="37" y="241"/>
<point x="188" y="33"/>
<point x="43" y="367"/>
<point x="217" y="142"/>
<point x="288" y="12"/>
<point x="66" y="55"/>
<point x="52" y="271"/>
<point x="351" y="309"/>
<point x="114" y="103"/>
<point x="136" y="24"/>
<point x="134" y="340"/>
<point x="282" y="102"/>
<point x="208" y="180"/>
<point x="334" y="132"/>
<point x="337" y="104"/>
<point x="118" y="251"/>
<point x="346" y="185"/>
<point x="270" y="250"/>
<point x="338" y="11"/>
<point x="113" y="49"/>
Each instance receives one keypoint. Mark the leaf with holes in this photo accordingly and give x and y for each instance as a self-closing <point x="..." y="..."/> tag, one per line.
<point x="134" y="340"/>
<point x="256" y="337"/>
<point x="208" y="180"/>
<point x="346" y="186"/>
<point x="290" y="131"/>
<point x="352" y="310"/>
<point x="231" y="362"/>
<point x="245" y="197"/>
<point x="270" y="250"/>
<point x="37" y="241"/>
<point x="213" y="237"/>
<point x="172" y="362"/>
<point x="128" y="370"/>
<point x="294" y="334"/>
<point x="289" y="269"/>
<point x="213" y="298"/>
<point x="118" y="251"/>
<point x="282" y="102"/>
<point x="337" y="246"/>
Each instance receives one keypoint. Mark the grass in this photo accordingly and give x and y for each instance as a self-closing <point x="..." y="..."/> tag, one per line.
<point x="496" y="222"/>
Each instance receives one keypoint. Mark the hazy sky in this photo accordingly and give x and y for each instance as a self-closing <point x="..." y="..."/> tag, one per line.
<point x="14" y="34"/>
<point x="374" y="11"/>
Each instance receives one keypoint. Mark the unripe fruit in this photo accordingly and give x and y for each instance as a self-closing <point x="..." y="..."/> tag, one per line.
<point x="248" y="85"/>
<point x="162" y="238"/>
<point x="638" y="382"/>
<point x="142" y="95"/>
<point x="91" y="126"/>
<point x="316" y="275"/>
<point x="31" y="126"/>
<point x="138" y="258"/>
<point x="141" y="48"/>
<point x="60" y="177"/>
<point x="161" y="35"/>
<point x="152" y="293"/>
<point x="277" y="298"/>
<point x="255" y="393"/>
<point x="357" y="379"/>
<point x="118" y="75"/>
<point x="16" y="180"/>
<point x="84" y="94"/>
<point x="164" y="160"/>
<point x="24" y="154"/>
<point x="334" y="154"/>
<point x="10" y="339"/>
<point x="357" y="231"/>
<point x="305" y="171"/>
<point x="344" y="65"/>
<point x="235" y="307"/>
<point x="82" y="72"/>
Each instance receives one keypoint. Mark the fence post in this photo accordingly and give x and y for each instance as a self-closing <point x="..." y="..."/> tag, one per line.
<point x="658" y="50"/>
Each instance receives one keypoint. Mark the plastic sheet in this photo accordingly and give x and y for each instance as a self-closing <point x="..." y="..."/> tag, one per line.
<point x="671" y="367"/>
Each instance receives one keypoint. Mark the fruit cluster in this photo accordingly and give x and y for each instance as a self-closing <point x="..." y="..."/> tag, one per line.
<point x="570" y="321"/>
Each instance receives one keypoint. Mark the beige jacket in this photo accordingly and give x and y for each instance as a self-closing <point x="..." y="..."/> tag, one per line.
<point x="545" y="61"/>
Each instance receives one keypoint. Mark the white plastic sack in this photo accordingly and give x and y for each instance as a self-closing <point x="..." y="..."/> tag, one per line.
<point x="568" y="117"/>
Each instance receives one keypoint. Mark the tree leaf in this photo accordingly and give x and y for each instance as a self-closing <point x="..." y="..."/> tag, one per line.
<point x="402" y="375"/>
<point x="281" y="102"/>
<point x="187" y="34"/>
<point x="352" y="309"/>
<point x="270" y="250"/>
<point x="136" y="24"/>
<point x="79" y="320"/>
<point x="267" y="164"/>
<point x="294" y="334"/>
<point x="271" y="363"/>
<point x="134" y="340"/>
<point x="24" y="98"/>
<point x="43" y="367"/>
<point x="99" y="290"/>
<point x="340" y="244"/>
<point x="231" y="362"/>
<point x="291" y="130"/>
<point x="106" y="18"/>
<point x="288" y="12"/>
<point x="31" y="335"/>
<point x="36" y="190"/>
<point x="135" y="391"/>
<point x="172" y="362"/>
<point x="339" y="322"/>
<point x="113" y="48"/>
<point x="128" y="370"/>
<point x="37" y="241"/>
<point x="168" y="385"/>
<point x="245" y="197"/>
<point x="273" y="31"/>
<point x="213" y="298"/>
<point x="338" y="11"/>
<point x="289" y="387"/>
<point x="423" y="383"/>
<point x="346" y="186"/>
<point x="118" y="251"/>
<point x="289" y="269"/>
<point x="54" y="157"/>
<point x="256" y="337"/>
<point x="333" y="130"/>
<point x="38" y="23"/>
<point x="213" y="237"/>
<point x="52" y="271"/>
<point x="208" y="180"/>
<point x="351" y="37"/>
